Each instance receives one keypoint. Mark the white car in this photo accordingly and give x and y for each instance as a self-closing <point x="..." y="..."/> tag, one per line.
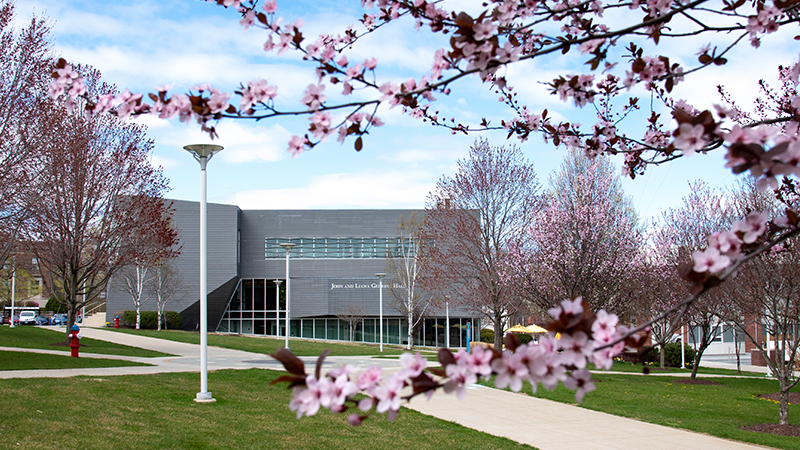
<point x="27" y="318"/>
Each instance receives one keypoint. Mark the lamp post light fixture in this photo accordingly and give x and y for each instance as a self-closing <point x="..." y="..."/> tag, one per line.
<point x="203" y="153"/>
<point x="380" y="304"/>
<point x="288" y="246"/>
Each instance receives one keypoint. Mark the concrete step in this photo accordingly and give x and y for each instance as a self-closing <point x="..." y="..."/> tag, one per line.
<point x="97" y="320"/>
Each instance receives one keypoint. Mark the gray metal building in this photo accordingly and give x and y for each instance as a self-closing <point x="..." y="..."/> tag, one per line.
<point x="331" y="268"/>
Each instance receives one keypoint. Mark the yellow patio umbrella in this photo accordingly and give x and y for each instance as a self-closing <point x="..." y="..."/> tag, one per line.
<point x="519" y="329"/>
<point x="536" y="329"/>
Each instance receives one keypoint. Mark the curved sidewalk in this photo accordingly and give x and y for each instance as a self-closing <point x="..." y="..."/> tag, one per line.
<point x="544" y="424"/>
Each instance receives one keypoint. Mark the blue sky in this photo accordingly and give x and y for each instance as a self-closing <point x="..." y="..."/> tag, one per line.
<point x="147" y="43"/>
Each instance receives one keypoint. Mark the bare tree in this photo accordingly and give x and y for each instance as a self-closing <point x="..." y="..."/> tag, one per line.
<point x="405" y="271"/>
<point x="765" y="296"/>
<point x="686" y="230"/>
<point x="657" y="288"/>
<point x="471" y="220"/>
<point x="353" y="314"/>
<point x="97" y="192"/>
<point x="146" y="247"/>
<point x="165" y="285"/>
<point x="25" y="65"/>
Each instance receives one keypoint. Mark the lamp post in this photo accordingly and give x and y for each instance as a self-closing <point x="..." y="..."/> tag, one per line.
<point x="380" y="304"/>
<point x="447" y="321"/>
<point x="203" y="153"/>
<point x="13" y="287"/>
<point x="288" y="246"/>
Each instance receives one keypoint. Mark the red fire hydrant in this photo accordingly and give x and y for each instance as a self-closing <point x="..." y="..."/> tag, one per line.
<point x="116" y="321"/>
<point x="74" y="337"/>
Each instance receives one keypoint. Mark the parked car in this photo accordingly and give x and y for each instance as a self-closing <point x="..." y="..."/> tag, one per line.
<point x="27" y="317"/>
<point x="41" y="320"/>
<point x="16" y="319"/>
<point x="59" y="319"/>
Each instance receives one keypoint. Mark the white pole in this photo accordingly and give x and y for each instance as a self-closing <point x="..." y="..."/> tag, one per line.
<point x="447" y="323"/>
<point x="203" y="395"/>
<point x="288" y="300"/>
<point x="683" y="351"/>
<point x="278" y="306"/>
<point x="288" y="246"/>
<point x="13" y="286"/>
<point x="202" y="153"/>
<point x="380" y="305"/>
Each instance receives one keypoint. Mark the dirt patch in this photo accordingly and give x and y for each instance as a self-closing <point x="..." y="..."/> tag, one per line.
<point x="695" y="381"/>
<point x="774" y="428"/>
<point x="794" y="397"/>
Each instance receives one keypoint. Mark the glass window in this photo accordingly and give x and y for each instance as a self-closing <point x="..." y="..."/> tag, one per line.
<point x="319" y="329"/>
<point x="258" y="295"/>
<point x="392" y="331"/>
<point x="272" y="328"/>
<point x="247" y="295"/>
<point x="272" y="299"/>
<point x="333" y="329"/>
<point x="341" y="247"/>
<point x="371" y="331"/>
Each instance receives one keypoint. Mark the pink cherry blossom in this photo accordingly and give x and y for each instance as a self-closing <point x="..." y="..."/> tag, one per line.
<point x="297" y="145"/>
<point x="413" y="365"/>
<point x="569" y="307"/>
<point x="218" y="101"/>
<point x="710" y="260"/>
<point x="727" y="242"/>
<point x="369" y="379"/>
<point x="604" y="325"/>
<point x="581" y="382"/>
<point x="479" y="361"/>
<point x="270" y="6"/>
<point x="460" y="376"/>
<point x="690" y="138"/>
<point x="257" y="91"/>
<point x="753" y="227"/>
<point x="575" y="349"/>
<point x="314" y="96"/>
<point x="388" y="396"/>
<point x="321" y="125"/>
<point x="510" y="370"/>
<point x="307" y="400"/>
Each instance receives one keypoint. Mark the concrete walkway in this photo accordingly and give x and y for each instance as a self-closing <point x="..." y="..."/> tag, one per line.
<point x="541" y="423"/>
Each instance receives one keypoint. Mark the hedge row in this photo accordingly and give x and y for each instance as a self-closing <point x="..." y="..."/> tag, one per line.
<point x="488" y="337"/>
<point x="149" y="319"/>
<point x="672" y="355"/>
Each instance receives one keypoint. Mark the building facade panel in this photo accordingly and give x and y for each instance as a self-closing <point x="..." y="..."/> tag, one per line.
<point x="223" y="225"/>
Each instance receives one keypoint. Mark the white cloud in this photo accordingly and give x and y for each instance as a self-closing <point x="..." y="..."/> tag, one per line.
<point x="243" y="142"/>
<point x="370" y="189"/>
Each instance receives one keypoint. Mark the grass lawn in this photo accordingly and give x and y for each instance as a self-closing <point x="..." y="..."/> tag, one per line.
<point x="268" y="345"/>
<point x="43" y="338"/>
<point x="39" y="361"/>
<point x="637" y="368"/>
<point x="715" y="410"/>
<point x="158" y="411"/>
